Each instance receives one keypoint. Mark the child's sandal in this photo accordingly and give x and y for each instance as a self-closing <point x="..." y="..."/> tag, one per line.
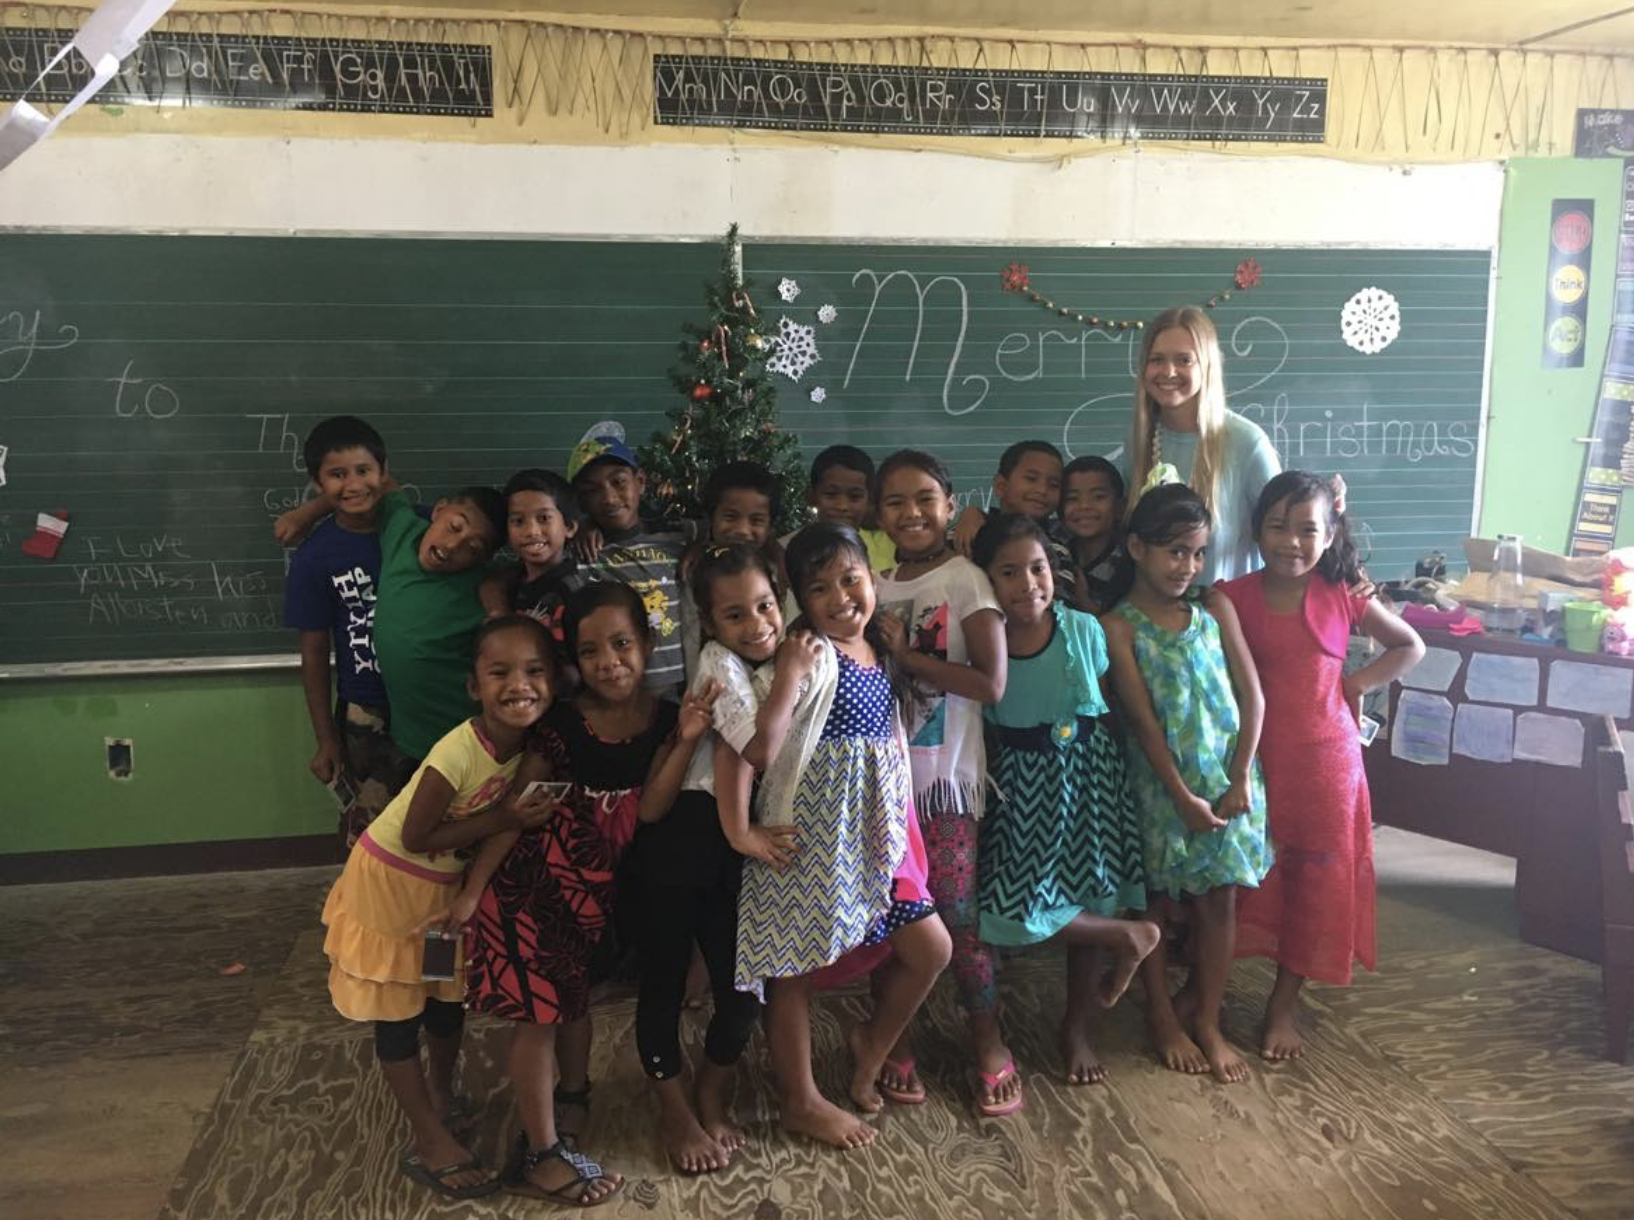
<point x="572" y="1194"/>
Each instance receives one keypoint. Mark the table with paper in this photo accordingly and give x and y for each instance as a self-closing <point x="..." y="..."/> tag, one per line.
<point x="1489" y="744"/>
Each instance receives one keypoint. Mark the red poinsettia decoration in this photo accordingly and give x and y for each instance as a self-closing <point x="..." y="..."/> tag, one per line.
<point x="1248" y="273"/>
<point x="1014" y="278"/>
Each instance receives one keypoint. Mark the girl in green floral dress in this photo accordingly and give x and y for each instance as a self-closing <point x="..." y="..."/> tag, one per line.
<point x="1189" y="694"/>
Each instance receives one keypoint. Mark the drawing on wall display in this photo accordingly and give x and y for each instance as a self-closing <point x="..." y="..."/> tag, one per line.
<point x="1370" y="321"/>
<point x="1495" y="678"/>
<point x="1484" y="733"/>
<point x="1436" y="671"/>
<point x="1422" y="731"/>
<point x="1556" y="740"/>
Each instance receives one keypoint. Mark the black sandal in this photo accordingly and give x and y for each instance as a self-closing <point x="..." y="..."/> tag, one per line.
<point x="570" y="1194"/>
<point x="413" y="1167"/>
<point x="567" y="1133"/>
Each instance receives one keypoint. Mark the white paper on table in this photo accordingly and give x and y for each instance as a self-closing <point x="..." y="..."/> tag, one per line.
<point x="1435" y="672"/>
<point x="1422" y="732"/>
<point x="1495" y="678"/>
<point x="1486" y="733"/>
<point x="1578" y="687"/>
<point x="1556" y="740"/>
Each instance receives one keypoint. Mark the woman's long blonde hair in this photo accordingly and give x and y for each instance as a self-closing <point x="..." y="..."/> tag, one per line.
<point x="1144" y="445"/>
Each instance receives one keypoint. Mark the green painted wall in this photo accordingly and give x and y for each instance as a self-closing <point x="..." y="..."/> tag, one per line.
<point x="1533" y="461"/>
<point x="217" y="757"/>
<point x="224" y="757"/>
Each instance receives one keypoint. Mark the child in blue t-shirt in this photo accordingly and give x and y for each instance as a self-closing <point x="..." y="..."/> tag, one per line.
<point x="329" y="597"/>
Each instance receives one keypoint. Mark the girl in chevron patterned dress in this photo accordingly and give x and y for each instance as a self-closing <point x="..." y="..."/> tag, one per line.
<point x="856" y="875"/>
<point x="1188" y="691"/>
<point x="1060" y="855"/>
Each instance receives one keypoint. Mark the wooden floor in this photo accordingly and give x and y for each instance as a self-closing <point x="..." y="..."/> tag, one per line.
<point x="1463" y="1081"/>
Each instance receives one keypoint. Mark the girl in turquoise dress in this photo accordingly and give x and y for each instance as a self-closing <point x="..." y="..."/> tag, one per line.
<point x="1060" y="853"/>
<point x="1189" y="693"/>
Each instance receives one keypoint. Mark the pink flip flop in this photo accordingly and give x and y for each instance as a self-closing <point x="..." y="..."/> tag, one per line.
<point x="902" y="1069"/>
<point x="991" y="1081"/>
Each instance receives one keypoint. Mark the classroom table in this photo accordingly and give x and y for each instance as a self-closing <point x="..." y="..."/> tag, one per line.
<point x="1540" y="813"/>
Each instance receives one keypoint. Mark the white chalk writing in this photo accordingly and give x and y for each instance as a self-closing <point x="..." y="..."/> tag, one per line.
<point x="20" y="338"/>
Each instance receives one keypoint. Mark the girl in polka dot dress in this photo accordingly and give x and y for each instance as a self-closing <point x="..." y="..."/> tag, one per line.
<point x="856" y="873"/>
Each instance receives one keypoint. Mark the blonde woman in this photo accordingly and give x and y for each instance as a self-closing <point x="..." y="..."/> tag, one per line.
<point x="1181" y="418"/>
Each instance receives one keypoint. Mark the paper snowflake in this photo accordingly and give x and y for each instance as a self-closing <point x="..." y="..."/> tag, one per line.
<point x="818" y="394"/>
<point x="827" y="314"/>
<point x="787" y="289"/>
<point x="796" y="349"/>
<point x="1370" y="321"/>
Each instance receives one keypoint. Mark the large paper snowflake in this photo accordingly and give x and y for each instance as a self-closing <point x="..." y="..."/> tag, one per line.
<point x="796" y="349"/>
<point x="1370" y="321"/>
<point x="787" y="289"/>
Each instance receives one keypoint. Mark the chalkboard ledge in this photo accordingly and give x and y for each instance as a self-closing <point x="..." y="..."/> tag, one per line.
<point x="151" y="666"/>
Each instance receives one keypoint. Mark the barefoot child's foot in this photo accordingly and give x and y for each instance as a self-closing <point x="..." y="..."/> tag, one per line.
<point x="822" y="1120"/>
<point x="1083" y="1065"/>
<point x="688" y="1146"/>
<point x="1139" y="939"/>
<point x="1223" y="1061"/>
<point x="1174" y="1049"/>
<point x="1281" y="1038"/>
<point x="866" y="1063"/>
<point x="713" y="1096"/>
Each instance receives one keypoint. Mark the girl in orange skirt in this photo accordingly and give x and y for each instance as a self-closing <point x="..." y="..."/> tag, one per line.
<point x="401" y="876"/>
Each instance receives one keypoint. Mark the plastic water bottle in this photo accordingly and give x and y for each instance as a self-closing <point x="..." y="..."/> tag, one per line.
<point x="1508" y="586"/>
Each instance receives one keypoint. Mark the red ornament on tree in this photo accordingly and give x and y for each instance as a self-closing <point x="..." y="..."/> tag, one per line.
<point x="704" y="345"/>
<point x="702" y="391"/>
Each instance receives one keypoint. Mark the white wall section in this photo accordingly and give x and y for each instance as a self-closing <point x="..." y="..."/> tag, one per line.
<point x="164" y="183"/>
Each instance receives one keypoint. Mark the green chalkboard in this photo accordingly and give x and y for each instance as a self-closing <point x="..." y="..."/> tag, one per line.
<point x="926" y="348"/>
<point x="156" y="387"/>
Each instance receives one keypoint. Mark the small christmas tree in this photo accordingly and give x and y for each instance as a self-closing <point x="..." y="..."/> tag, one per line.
<point x="729" y="407"/>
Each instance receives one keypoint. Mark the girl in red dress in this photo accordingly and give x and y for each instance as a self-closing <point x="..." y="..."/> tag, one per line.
<point x="540" y="908"/>
<point x="1314" y="912"/>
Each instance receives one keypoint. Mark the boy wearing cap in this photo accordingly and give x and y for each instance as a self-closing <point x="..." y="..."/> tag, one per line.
<point x="609" y="484"/>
